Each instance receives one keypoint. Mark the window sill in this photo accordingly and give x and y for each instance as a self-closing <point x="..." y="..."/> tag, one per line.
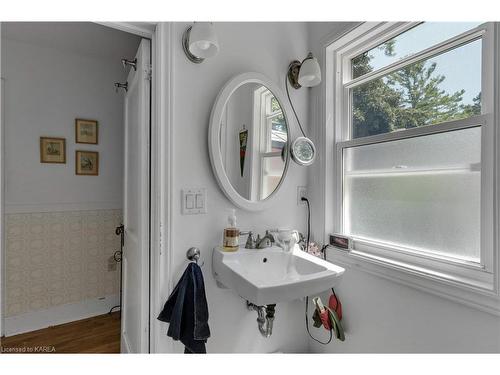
<point x="474" y="293"/>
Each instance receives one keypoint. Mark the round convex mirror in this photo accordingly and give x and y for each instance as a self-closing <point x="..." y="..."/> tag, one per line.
<point x="303" y="151"/>
<point x="249" y="138"/>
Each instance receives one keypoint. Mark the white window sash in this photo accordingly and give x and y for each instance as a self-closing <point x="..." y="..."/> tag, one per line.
<point x="433" y="260"/>
<point x="437" y="49"/>
<point x="348" y="84"/>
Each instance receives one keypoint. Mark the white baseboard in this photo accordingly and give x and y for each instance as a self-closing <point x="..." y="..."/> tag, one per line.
<point x="34" y="320"/>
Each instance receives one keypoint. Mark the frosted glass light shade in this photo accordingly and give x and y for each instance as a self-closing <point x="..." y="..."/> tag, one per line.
<point x="203" y="40"/>
<point x="310" y="72"/>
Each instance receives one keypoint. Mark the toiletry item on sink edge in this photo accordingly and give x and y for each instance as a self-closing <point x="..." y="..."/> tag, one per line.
<point x="231" y="233"/>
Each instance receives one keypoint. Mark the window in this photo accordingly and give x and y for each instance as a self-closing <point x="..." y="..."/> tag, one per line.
<point x="407" y="43"/>
<point x="442" y="88"/>
<point x="419" y="193"/>
<point x="273" y="138"/>
<point x="413" y="137"/>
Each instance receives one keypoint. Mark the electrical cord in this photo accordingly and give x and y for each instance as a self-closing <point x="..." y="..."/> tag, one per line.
<point x="308" y="222"/>
<point x="307" y="298"/>
<point x="323" y="251"/>
<point x="293" y="108"/>
<point x="307" y="327"/>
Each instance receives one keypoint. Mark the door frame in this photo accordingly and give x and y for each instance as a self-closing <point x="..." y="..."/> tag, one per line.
<point x="160" y="147"/>
<point x="161" y="156"/>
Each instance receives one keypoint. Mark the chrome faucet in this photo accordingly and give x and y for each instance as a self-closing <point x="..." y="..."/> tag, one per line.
<point x="266" y="241"/>
<point x="286" y="239"/>
<point x="258" y="243"/>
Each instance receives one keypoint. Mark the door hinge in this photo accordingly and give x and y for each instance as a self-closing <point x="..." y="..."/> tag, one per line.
<point x="149" y="72"/>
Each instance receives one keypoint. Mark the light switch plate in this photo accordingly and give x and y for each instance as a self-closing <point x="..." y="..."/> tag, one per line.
<point x="194" y="201"/>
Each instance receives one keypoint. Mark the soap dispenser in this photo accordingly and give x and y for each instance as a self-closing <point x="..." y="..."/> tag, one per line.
<point x="231" y="233"/>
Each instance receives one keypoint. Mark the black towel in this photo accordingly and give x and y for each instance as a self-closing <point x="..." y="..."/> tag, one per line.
<point x="187" y="311"/>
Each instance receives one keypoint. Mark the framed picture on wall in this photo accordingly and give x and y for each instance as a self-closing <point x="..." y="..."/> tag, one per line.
<point x="86" y="131"/>
<point x="52" y="150"/>
<point x="87" y="163"/>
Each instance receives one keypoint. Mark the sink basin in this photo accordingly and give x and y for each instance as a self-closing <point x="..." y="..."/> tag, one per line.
<point x="267" y="276"/>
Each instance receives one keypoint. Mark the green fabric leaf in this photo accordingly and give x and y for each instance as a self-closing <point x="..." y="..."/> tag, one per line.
<point x="337" y="326"/>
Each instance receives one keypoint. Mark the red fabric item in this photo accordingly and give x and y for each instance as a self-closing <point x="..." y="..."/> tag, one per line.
<point x="325" y="319"/>
<point x="335" y="305"/>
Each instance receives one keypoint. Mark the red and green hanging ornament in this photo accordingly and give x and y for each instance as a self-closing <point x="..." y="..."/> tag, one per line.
<point x="243" y="148"/>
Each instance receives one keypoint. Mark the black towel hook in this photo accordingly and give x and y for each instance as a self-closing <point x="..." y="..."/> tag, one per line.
<point x="193" y="254"/>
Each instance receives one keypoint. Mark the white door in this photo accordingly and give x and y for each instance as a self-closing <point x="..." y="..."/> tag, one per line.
<point x="135" y="303"/>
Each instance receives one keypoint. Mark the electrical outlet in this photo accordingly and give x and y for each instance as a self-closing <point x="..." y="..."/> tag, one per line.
<point x="301" y="192"/>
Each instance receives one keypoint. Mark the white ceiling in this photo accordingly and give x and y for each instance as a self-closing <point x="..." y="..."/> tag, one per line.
<point x="84" y="38"/>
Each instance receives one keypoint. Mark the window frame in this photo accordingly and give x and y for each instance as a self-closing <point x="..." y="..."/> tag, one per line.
<point x="454" y="278"/>
<point x="263" y="132"/>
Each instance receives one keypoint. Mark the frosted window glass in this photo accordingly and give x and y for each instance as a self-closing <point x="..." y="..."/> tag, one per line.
<point x="422" y="193"/>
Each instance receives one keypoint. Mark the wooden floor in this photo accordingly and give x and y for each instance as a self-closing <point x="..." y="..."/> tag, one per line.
<point x="99" y="334"/>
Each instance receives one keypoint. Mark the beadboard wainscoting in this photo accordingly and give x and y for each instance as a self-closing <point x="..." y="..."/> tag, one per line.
<point x="57" y="260"/>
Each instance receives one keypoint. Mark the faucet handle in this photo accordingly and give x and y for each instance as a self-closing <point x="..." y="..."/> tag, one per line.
<point x="250" y="244"/>
<point x="269" y="234"/>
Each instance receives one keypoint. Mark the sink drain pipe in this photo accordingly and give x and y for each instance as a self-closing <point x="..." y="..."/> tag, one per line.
<point x="265" y="317"/>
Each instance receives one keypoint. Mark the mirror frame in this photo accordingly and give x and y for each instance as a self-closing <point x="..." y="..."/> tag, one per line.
<point x="214" y="136"/>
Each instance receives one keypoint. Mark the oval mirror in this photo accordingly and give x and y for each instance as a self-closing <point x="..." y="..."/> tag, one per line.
<point x="249" y="139"/>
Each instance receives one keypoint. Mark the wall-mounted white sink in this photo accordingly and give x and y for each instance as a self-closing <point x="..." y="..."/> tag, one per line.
<point x="270" y="275"/>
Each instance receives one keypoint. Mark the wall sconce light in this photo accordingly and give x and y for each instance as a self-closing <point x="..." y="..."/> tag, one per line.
<point x="306" y="73"/>
<point x="200" y="42"/>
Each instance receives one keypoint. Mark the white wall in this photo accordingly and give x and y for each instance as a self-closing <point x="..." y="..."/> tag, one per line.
<point x="380" y="315"/>
<point x="262" y="47"/>
<point x="384" y="316"/>
<point x="45" y="90"/>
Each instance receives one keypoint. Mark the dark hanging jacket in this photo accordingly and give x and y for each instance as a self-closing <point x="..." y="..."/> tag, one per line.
<point x="187" y="311"/>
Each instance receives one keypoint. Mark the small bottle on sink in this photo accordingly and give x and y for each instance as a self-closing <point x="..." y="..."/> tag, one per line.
<point x="231" y="234"/>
